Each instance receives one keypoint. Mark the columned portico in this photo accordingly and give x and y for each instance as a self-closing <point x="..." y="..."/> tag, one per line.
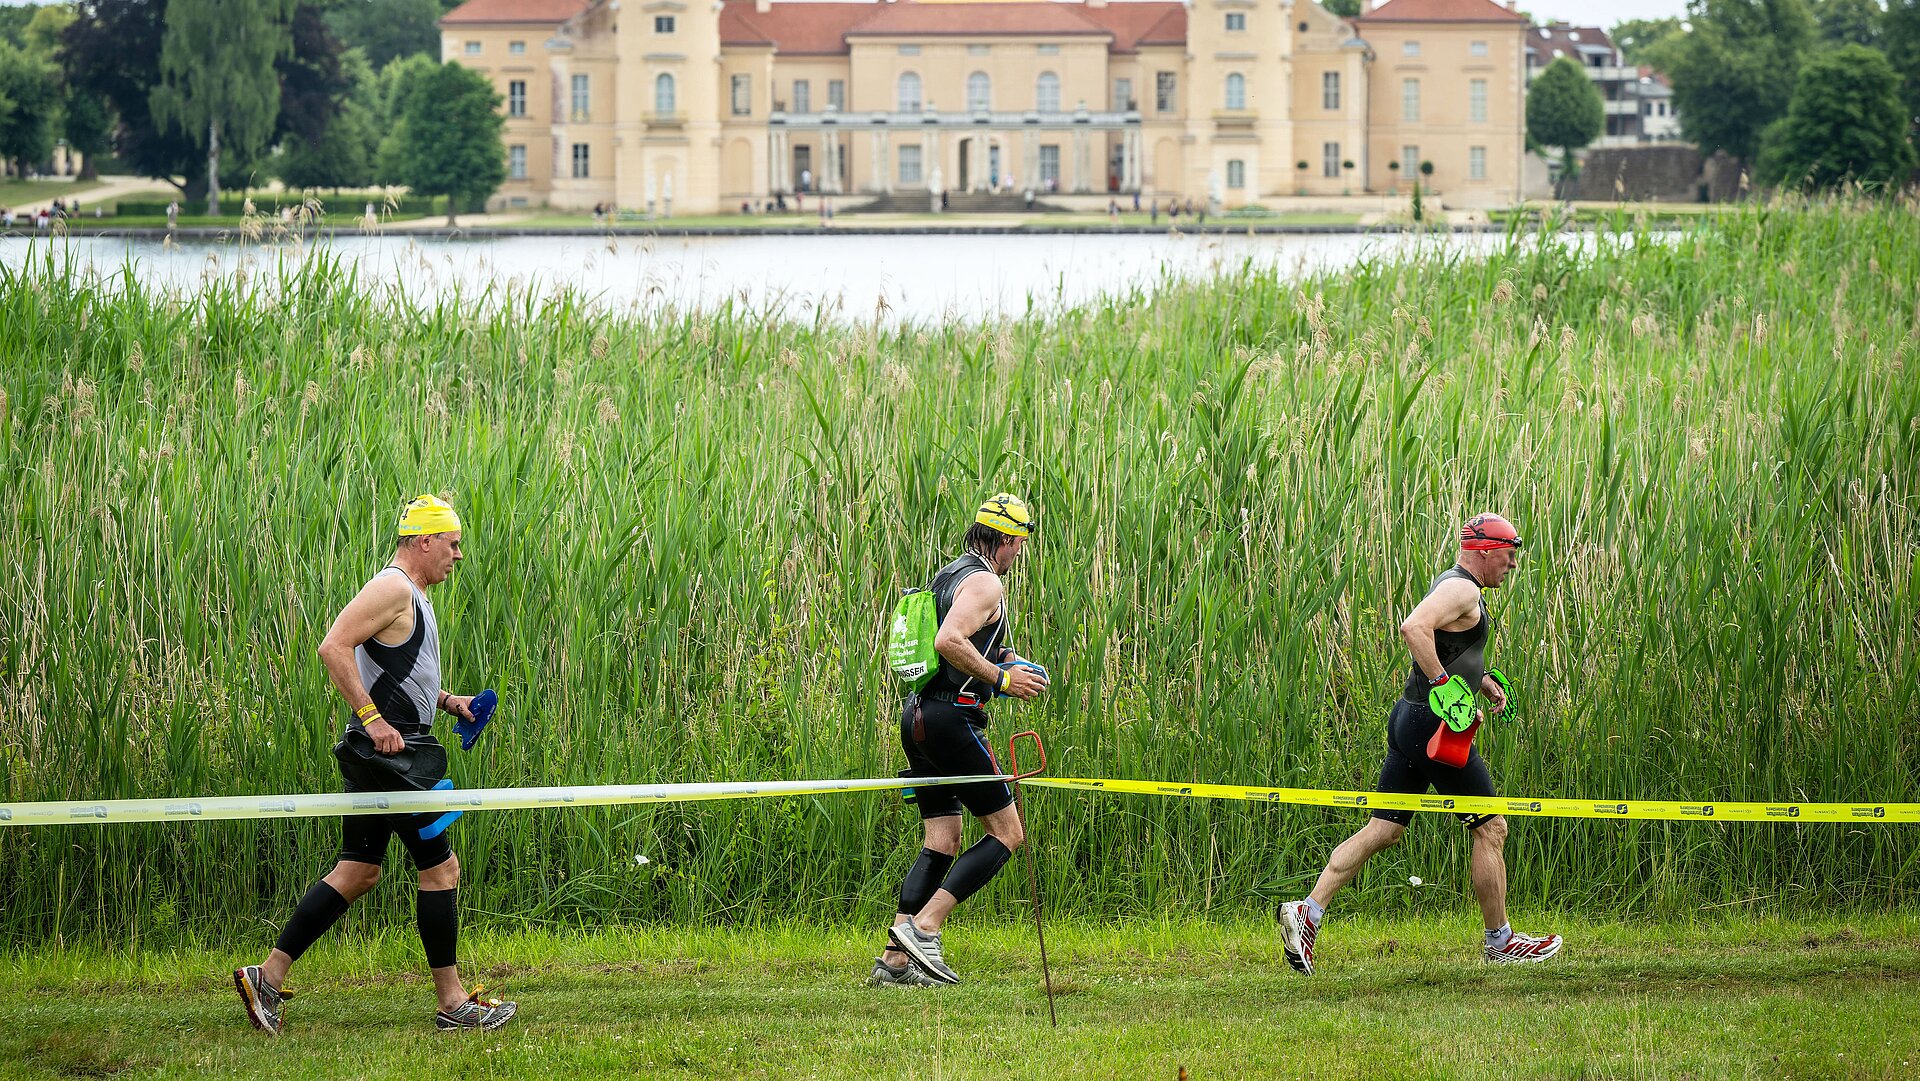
<point x="1078" y="140"/>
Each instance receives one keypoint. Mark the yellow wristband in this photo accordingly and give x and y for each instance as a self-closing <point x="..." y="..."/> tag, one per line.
<point x="367" y="710"/>
<point x="1006" y="680"/>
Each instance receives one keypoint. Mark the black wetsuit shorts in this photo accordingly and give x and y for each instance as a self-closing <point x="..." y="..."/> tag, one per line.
<point x="945" y="739"/>
<point x="1408" y="769"/>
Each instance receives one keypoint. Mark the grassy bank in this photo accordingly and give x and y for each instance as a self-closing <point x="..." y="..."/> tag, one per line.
<point x="1398" y="999"/>
<point x="683" y="530"/>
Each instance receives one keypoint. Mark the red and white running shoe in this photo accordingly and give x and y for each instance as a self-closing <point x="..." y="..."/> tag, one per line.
<point x="1297" y="930"/>
<point x="1525" y="949"/>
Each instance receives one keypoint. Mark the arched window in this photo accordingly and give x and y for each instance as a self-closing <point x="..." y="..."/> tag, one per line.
<point x="979" y="92"/>
<point x="663" y="94"/>
<point x="1046" y="93"/>
<point x="1236" y="91"/>
<point x="909" y="92"/>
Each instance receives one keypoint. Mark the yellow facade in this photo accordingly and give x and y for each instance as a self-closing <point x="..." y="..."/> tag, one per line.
<point x="672" y="107"/>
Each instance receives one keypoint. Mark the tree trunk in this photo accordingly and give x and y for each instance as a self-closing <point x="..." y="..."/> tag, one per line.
<point x="452" y="202"/>
<point x="88" y="170"/>
<point x="213" y="169"/>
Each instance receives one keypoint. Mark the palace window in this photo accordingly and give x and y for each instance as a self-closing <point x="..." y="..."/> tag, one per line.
<point x="517" y="97"/>
<point x="473" y="48"/>
<point x="582" y="99"/>
<point x="908" y="93"/>
<point x="1046" y="93"/>
<point x="1409" y="163"/>
<point x="802" y="96"/>
<point x="1122" y="95"/>
<point x="1050" y="167"/>
<point x="909" y="164"/>
<point x="1330" y="160"/>
<point x="743" y="95"/>
<point x="1330" y="90"/>
<point x="663" y="103"/>
<point x="1236" y="174"/>
<point x="979" y="92"/>
<point x="1236" y="91"/>
<point x="580" y="171"/>
<point x="909" y="50"/>
<point x="663" y="24"/>
<point x="1236" y="20"/>
<point x="1477" y="100"/>
<point x="517" y="48"/>
<point x="1410" y="100"/>
<point x="1476" y="163"/>
<point x="1409" y="48"/>
<point x="837" y="94"/>
<point x="516" y="163"/>
<point x="979" y="50"/>
<point x="1478" y="48"/>
<point x="1047" y="50"/>
<point x="1163" y="87"/>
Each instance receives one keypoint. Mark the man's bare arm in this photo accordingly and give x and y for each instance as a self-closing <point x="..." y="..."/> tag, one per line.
<point x="975" y="604"/>
<point x="378" y="605"/>
<point x="1448" y="604"/>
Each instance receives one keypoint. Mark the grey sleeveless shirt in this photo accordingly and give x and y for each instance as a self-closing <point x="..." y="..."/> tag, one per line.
<point x="404" y="680"/>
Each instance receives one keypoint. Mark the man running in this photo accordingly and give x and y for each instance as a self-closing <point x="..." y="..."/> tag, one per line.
<point x="1447" y="635"/>
<point x="942" y="729"/>
<point x="383" y="654"/>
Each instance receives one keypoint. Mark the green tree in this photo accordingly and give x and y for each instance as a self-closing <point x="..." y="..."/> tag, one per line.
<point x="28" y="98"/>
<point x="1848" y="22"/>
<point x="217" y="75"/>
<point x="1637" y="38"/>
<point x="394" y="87"/>
<point x="1564" y="109"/>
<point x="388" y="30"/>
<point x="343" y="156"/>
<point x="1900" y="38"/>
<point x="453" y="127"/>
<point x="1846" y="123"/>
<point x="1346" y="9"/>
<point x="1733" y="74"/>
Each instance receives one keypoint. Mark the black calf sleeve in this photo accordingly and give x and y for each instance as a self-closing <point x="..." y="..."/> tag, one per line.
<point x="439" y="925"/>
<point x="976" y="867"/>
<point x="320" y="909"/>
<point x="921" y="882"/>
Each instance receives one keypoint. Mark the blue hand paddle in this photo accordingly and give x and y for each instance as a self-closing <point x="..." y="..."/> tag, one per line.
<point x="483" y="705"/>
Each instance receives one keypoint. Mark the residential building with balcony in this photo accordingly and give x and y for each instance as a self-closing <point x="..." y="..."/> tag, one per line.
<point x="1638" y="100"/>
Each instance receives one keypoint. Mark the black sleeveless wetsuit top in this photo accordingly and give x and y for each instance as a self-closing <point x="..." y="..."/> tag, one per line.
<point x="1463" y="653"/>
<point x="949" y="681"/>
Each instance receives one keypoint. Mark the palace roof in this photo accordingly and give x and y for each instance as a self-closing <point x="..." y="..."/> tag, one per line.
<point x="1441" y="11"/>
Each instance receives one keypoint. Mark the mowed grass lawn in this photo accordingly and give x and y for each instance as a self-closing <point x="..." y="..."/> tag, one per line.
<point x="1725" y="997"/>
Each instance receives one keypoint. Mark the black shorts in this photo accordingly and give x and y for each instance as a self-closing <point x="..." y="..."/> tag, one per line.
<point x="947" y="740"/>
<point x="1408" y="769"/>
<point x="365" y="838"/>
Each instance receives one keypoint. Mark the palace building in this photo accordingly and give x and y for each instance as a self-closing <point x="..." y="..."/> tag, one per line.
<point x="683" y="106"/>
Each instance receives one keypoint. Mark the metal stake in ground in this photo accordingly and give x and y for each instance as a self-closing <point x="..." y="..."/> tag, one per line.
<point x="1033" y="876"/>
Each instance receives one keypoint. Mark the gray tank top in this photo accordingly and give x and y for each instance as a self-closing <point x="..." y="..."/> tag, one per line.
<point x="404" y="680"/>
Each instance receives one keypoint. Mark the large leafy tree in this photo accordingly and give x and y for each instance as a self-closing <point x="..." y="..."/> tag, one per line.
<point x="387" y="30"/>
<point x="79" y="116"/>
<point x="217" y="75"/>
<point x="453" y="127"/>
<point x="1847" y="22"/>
<point x="393" y="89"/>
<point x="28" y="99"/>
<point x="342" y="157"/>
<point x="1639" y="39"/>
<point x="1846" y="123"/>
<point x="109" y="53"/>
<point x="1564" y="109"/>
<point x="1734" y="73"/>
<point x="1900" y="37"/>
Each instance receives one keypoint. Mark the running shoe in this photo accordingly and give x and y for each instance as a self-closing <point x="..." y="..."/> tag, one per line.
<point x="924" y="949"/>
<point x="263" y="1003"/>
<point x="907" y="975"/>
<point x="1525" y="949"/>
<point x="476" y="1014"/>
<point x="1297" y="930"/>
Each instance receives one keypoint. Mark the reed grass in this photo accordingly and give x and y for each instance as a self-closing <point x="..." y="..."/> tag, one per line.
<point x="683" y="530"/>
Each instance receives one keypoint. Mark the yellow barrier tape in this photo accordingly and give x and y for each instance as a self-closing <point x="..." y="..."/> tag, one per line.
<point x="328" y="804"/>
<point x="1662" y="810"/>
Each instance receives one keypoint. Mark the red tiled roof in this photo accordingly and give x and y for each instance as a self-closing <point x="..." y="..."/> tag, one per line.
<point x="1136" y="24"/>
<point x="1560" y="39"/>
<point x="904" y="18"/>
<point x="1441" y="11"/>
<point x="792" y="28"/>
<point x="546" y="12"/>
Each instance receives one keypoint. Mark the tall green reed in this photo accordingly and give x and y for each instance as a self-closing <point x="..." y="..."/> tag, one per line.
<point x="684" y="529"/>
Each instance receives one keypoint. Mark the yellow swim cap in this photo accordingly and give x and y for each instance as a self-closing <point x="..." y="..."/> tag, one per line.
<point x="428" y="514"/>
<point x="1007" y="514"/>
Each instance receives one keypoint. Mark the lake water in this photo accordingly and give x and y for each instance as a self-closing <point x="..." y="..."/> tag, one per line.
<point x="905" y="278"/>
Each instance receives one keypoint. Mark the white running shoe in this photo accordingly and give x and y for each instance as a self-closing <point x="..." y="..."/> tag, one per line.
<point x="907" y="975"/>
<point x="1297" y="929"/>
<point x="924" y="949"/>
<point x="1524" y="949"/>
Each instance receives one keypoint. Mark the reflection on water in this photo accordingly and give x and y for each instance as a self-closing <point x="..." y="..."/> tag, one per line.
<point x="917" y="279"/>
